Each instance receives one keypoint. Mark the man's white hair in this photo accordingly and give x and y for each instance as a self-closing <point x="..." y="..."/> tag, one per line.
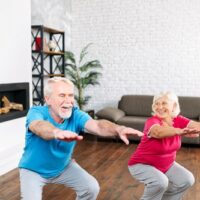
<point x="172" y="97"/>
<point x="48" y="89"/>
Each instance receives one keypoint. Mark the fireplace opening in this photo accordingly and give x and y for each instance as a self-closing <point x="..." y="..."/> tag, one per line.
<point x="14" y="100"/>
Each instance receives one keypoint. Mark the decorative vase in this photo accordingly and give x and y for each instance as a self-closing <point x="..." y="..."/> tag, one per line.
<point x="52" y="45"/>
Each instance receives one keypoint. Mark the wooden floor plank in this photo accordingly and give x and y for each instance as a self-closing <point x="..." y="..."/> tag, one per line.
<point x="107" y="161"/>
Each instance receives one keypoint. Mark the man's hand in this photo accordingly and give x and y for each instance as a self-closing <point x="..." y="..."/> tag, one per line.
<point x="67" y="136"/>
<point x="123" y="133"/>
<point x="106" y="128"/>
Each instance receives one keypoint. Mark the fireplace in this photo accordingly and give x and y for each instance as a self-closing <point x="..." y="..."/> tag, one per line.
<point x="17" y="93"/>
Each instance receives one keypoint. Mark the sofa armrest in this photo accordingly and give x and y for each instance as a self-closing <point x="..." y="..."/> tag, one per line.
<point x="109" y="113"/>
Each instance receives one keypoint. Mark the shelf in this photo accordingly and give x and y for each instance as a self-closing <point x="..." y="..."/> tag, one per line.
<point x="49" y="52"/>
<point x="46" y="75"/>
<point x="52" y="75"/>
<point x="54" y="52"/>
<point x="54" y="31"/>
<point x="47" y="29"/>
<point x="46" y="63"/>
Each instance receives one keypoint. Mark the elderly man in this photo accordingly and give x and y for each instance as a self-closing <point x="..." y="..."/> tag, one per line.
<point x="51" y="134"/>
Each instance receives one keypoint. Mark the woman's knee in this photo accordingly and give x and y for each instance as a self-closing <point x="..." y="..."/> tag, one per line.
<point x="162" y="184"/>
<point x="190" y="180"/>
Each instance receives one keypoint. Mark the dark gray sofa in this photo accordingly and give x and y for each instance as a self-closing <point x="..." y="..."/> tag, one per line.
<point x="133" y="110"/>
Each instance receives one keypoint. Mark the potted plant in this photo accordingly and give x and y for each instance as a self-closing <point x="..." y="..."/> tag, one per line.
<point x="82" y="73"/>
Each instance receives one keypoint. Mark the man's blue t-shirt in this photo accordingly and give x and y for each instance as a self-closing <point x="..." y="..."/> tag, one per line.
<point x="50" y="157"/>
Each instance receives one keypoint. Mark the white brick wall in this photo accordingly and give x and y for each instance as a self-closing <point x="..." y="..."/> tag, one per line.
<point x="144" y="46"/>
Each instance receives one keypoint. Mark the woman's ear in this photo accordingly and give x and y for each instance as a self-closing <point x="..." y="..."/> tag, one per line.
<point x="174" y="106"/>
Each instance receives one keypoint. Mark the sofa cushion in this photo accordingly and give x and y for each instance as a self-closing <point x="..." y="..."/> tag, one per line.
<point x="136" y="105"/>
<point x="109" y="113"/>
<point x="133" y="122"/>
<point x="187" y="140"/>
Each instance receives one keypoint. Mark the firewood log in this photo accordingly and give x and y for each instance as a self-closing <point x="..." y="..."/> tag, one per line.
<point x="6" y="102"/>
<point x="16" y="106"/>
<point x="4" y="110"/>
<point x="11" y="105"/>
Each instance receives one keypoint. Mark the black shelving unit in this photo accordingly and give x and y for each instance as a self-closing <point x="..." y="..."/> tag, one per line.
<point x="45" y="61"/>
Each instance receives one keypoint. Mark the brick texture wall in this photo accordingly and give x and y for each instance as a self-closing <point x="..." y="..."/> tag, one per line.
<point x="145" y="46"/>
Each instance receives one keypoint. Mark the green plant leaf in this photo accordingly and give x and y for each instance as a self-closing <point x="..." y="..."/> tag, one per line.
<point x="67" y="65"/>
<point x="90" y="65"/>
<point x="69" y="57"/>
<point x="84" y="52"/>
<point x="71" y="74"/>
<point x="90" y="78"/>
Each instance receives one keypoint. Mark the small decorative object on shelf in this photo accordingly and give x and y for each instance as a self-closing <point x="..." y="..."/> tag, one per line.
<point x="52" y="45"/>
<point x="38" y="44"/>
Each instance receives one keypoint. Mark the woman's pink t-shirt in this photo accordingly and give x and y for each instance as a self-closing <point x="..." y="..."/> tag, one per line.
<point x="160" y="153"/>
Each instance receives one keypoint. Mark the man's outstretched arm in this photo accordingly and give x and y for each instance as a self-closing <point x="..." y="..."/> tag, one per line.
<point x="107" y="128"/>
<point x="47" y="131"/>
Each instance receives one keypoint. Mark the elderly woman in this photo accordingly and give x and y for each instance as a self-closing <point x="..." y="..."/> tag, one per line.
<point x="153" y="163"/>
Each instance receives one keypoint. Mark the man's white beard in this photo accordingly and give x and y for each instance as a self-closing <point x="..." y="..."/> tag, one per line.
<point x="65" y="115"/>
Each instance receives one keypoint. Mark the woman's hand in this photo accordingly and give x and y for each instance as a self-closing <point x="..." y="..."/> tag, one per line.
<point x="191" y="132"/>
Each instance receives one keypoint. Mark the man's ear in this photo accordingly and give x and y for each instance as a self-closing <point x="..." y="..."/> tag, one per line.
<point x="46" y="98"/>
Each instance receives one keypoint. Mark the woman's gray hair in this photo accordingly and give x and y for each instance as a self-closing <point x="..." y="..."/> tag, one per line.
<point x="172" y="97"/>
<point x="48" y="89"/>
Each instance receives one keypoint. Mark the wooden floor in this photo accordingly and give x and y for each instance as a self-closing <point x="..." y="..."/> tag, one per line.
<point x="107" y="161"/>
